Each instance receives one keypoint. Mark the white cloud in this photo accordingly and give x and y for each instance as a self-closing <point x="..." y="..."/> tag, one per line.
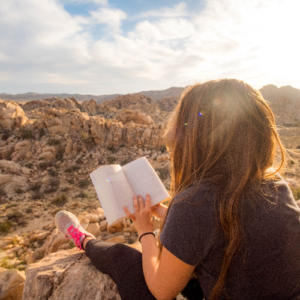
<point x="104" y="2"/>
<point x="162" y="30"/>
<point x="111" y="17"/>
<point x="178" y="10"/>
<point x="45" y="49"/>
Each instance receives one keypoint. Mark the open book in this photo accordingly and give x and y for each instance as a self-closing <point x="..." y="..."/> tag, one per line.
<point x="116" y="185"/>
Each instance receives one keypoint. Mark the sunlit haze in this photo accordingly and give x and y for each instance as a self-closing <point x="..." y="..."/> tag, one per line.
<point x="104" y="47"/>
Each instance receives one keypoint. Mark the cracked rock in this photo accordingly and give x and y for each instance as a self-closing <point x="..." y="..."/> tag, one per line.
<point x="68" y="275"/>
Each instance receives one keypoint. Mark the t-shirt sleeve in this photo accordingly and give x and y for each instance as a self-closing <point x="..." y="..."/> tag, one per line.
<point x="189" y="228"/>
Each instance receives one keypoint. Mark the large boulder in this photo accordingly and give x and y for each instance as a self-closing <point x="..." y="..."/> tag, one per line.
<point x="6" y="151"/>
<point x="56" y="121"/>
<point x="17" y="182"/>
<point x="11" y="115"/>
<point x="13" y="167"/>
<point x="91" y="107"/>
<point x="20" y="150"/>
<point x="11" y="284"/>
<point x="67" y="275"/>
<point x="4" y="178"/>
<point x="68" y="104"/>
<point x="98" y="129"/>
<point x="136" y="116"/>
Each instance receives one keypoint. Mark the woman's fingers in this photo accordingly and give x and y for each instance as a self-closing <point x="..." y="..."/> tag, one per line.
<point x="141" y="203"/>
<point x="135" y="205"/>
<point x="127" y="212"/>
<point x="148" y="202"/>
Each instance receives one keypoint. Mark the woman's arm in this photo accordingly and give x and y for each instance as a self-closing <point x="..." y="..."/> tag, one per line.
<point x="159" y="211"/>
<point x="167" y="278"/>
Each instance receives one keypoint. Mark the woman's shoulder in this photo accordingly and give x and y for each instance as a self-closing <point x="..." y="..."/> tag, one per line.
<point x="195" y="198"/>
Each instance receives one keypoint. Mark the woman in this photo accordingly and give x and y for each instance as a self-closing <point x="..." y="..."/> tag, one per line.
<point x="233" y="224"/>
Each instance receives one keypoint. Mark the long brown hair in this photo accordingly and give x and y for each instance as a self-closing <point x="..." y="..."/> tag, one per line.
<point x="223" y="131"/>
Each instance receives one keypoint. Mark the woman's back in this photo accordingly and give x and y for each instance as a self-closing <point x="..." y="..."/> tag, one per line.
<point x="267" y="264"/>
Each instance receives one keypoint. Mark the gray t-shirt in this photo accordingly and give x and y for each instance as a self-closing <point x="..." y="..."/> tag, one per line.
<point x="267" y="266"/>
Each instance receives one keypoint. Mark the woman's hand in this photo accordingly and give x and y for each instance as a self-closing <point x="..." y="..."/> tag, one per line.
<point x="142" y="218"/>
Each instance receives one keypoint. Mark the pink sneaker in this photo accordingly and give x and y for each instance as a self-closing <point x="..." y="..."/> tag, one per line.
<point x="69" y="226"/>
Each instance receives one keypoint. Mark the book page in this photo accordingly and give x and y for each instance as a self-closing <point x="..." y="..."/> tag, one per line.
<point x="122" y="192"/>
<point x="144" y="180"/>
<point x="113" y="191"/>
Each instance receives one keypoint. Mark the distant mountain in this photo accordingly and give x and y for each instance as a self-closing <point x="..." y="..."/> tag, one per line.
<point x="35" y="96"/>
<point x="272" y="93"/>
<point x="156" y="95"/>
<point x="284" y="102"/>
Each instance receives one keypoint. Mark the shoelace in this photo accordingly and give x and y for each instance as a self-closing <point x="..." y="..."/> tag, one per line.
<point x="75" y="234"/>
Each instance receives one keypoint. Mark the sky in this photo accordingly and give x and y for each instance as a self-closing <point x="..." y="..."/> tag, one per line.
<point x="124" y="46"/>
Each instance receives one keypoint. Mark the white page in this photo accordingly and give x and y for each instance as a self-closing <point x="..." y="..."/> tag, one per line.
<point x="144" y="180"/>
<point x="113" y="191"/>
<point x="122" y="192"/>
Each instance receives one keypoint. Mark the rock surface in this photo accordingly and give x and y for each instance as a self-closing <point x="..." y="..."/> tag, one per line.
<point x="11" y="284"/>
<point x="67" y="275"/>
<point x="11" y="115"/>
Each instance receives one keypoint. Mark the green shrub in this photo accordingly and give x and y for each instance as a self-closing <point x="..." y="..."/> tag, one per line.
<point x="111" y="159"/>
<point x="5" y="263"/>
<point x="71" y="181"/>
<point x="79" y="161"/>
<point x="87" y="140"/>
<point x="35" y="186"/>
<point x="36" y="195"/>
<point x="73" y="168"/>
<point x="15" y="216"/>
<point x="125" y="161"/>
<point x="52" y="185"/>
<point x="53" y="142"/>
<point x="29" y="165"/>
<point x="82" y="195"/>
<point x="5" y="226"/>
<point x="111" y="148"/>
<point x="19" y="191"/>
<point x="163" y="149"/>
<point x="83" y="183"/>
<point x="2" y="193"/>
<point x="45" y="165"/>
<point x="296" y="193"/>
<point x="5" y="134"/>
<point x="53" y="172"/>
<point x="163" y="173"/>
<point x="60" y="154"/>
<point x="41" y="132"/>
<point x="71" y="244"/>
<point x="28" y="210"/>
<point x="291" y="162"/>
<point x="60" y="200"/>
<point x="26" y="134"/>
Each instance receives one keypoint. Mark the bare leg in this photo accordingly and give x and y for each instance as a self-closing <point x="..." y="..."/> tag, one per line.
<point x="298" y="203"/>
<point x="88" y="238"/>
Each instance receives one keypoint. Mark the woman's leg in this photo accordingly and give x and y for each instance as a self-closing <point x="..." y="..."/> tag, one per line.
<point x="193" y="290"/>
<point x="123" y="264"/>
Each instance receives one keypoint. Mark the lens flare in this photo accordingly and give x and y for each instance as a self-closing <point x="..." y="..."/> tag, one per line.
<point x="217" y="102"/>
